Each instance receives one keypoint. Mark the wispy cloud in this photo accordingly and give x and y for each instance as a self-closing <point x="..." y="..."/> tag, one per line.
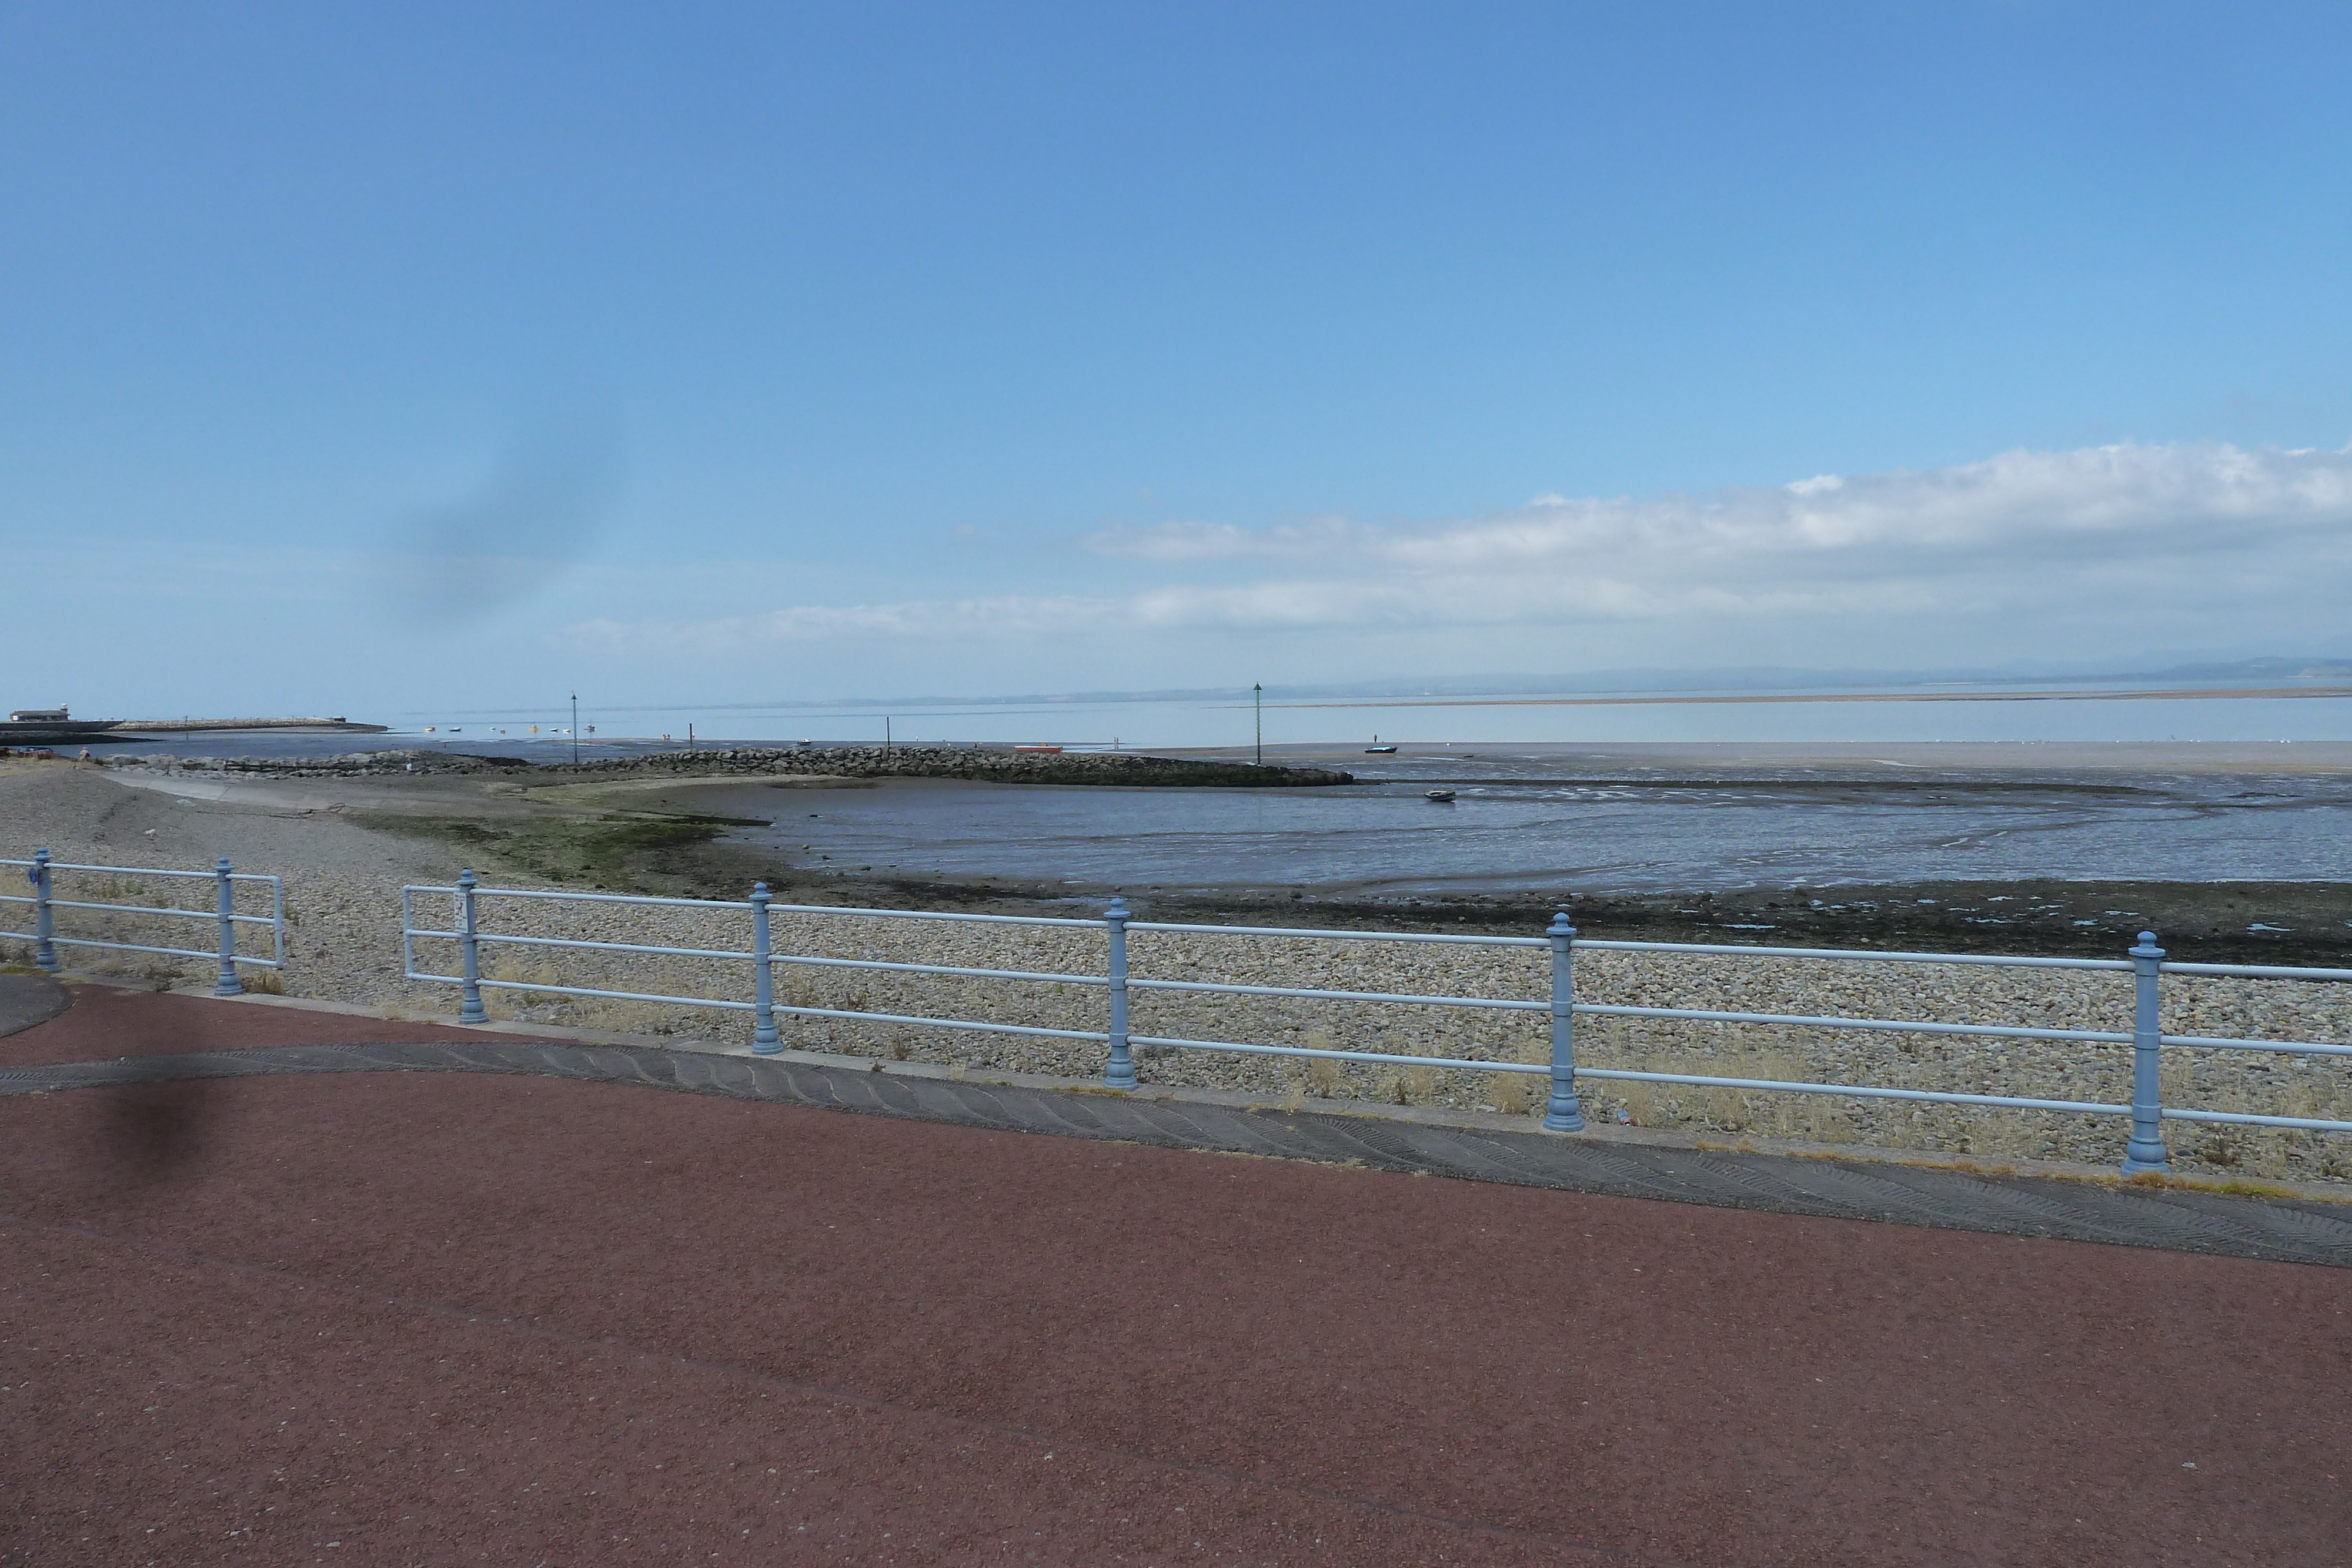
<point x="952" y="618"/>
<point x="2110" y="532"/>
<point x="1223" y="541"/>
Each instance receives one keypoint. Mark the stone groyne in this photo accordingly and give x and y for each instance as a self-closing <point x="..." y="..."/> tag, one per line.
<point x="992" y="765"/>
<point x="185" y="726"/>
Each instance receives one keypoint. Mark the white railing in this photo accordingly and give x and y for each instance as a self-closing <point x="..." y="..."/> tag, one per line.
<point x="2146" y="963"/>
<point x="41" y="871"/>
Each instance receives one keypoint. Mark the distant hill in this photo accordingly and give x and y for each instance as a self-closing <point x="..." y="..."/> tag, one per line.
<point x="1746" y="678"/>
<point x="2261" y="670"/>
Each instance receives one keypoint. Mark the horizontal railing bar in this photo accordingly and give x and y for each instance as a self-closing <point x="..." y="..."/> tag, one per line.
<point x="1134" y="984"/>
<point x="772" y="908"/>
<point x="938" y="969"/>
<point x="2015" y="1102"/>
<point x="588" y="992"/>
<point x="2257" y="971"/>
<point x="583" y="897"/>
<point x="2289" y="1047"/>
<point x="968" y="1024"/>
<point x="936" y="915"/>
<point x="558" y="942"/>
<point x="1744" y="951"/>
<point x="2243" y="1119"/>
<point x="1376" y="1057"/>
<point x="747" y="1006"/>
<point x="487" y="937"/>
<point x="143" y="948"/>
<point x="1887" y="1025"/>
<point x="1341" y="935"/>
<point x="149" y="871"/>
<point x="141" y="909"/>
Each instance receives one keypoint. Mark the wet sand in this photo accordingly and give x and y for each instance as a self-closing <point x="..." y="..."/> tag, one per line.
<point x="1714" y="759"/>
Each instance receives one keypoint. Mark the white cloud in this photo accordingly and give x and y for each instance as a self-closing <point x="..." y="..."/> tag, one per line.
<point x="1223" y="541"/>
<point x="2037" y="542"/>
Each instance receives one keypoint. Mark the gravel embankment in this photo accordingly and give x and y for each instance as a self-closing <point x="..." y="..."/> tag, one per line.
<point x="342" y="896"/>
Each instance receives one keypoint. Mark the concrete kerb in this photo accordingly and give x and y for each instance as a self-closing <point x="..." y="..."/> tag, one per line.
<point x="1239" y="1100"/>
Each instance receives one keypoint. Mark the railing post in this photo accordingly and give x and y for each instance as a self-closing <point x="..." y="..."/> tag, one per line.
<point x="2146" y="1150"/>
<point x="45" y="952"/>
<point x="764" y="1040"/>
<point x="228" y="984"/>
<point x="1562" y="1114"/>
<point x="1120" y="1072"/>
<point x="470" y="1011"/>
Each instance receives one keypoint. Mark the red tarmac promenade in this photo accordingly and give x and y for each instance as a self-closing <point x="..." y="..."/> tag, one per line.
<point x="392" y="1318"/>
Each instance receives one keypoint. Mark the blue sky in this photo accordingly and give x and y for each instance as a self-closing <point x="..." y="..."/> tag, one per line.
<point x="444" y="356"/>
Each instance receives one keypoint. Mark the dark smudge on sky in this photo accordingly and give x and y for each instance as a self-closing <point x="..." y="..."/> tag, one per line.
<point x="534" y="515"/>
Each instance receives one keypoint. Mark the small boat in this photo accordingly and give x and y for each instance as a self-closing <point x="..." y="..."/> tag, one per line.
<point x="1378" y="750"/>
<point x="1442" y="797"/>
<point x="1048" y="750"/>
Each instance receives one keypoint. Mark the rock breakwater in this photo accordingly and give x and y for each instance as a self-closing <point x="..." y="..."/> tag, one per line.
<point x="995" y="765"/>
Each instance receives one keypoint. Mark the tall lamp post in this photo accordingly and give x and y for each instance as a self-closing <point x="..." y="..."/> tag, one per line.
<point x="575" y="730"/>
<point x="1257" y="700"/>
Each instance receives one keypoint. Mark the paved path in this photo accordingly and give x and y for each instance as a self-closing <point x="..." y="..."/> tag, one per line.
<point x="107" y="1021"/>
<point x="28" y="999"/>
<point x="359" y="1308"/>
<point x="2287" y="1231"/>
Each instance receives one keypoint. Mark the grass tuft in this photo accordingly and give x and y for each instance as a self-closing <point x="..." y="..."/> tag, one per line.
<point x="1512" y="1094"/>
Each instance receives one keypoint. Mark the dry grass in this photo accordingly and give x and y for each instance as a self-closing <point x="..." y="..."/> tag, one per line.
<point x="1330" y="1077"/>
<point x="1513" y="1094"/>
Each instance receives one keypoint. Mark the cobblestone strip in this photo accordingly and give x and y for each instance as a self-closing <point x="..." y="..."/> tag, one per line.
<point x="2018" y="1206"/>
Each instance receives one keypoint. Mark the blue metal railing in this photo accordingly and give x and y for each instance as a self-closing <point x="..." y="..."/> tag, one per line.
<point x="1562" y="1112"/>
<point x="41" y="871"/>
